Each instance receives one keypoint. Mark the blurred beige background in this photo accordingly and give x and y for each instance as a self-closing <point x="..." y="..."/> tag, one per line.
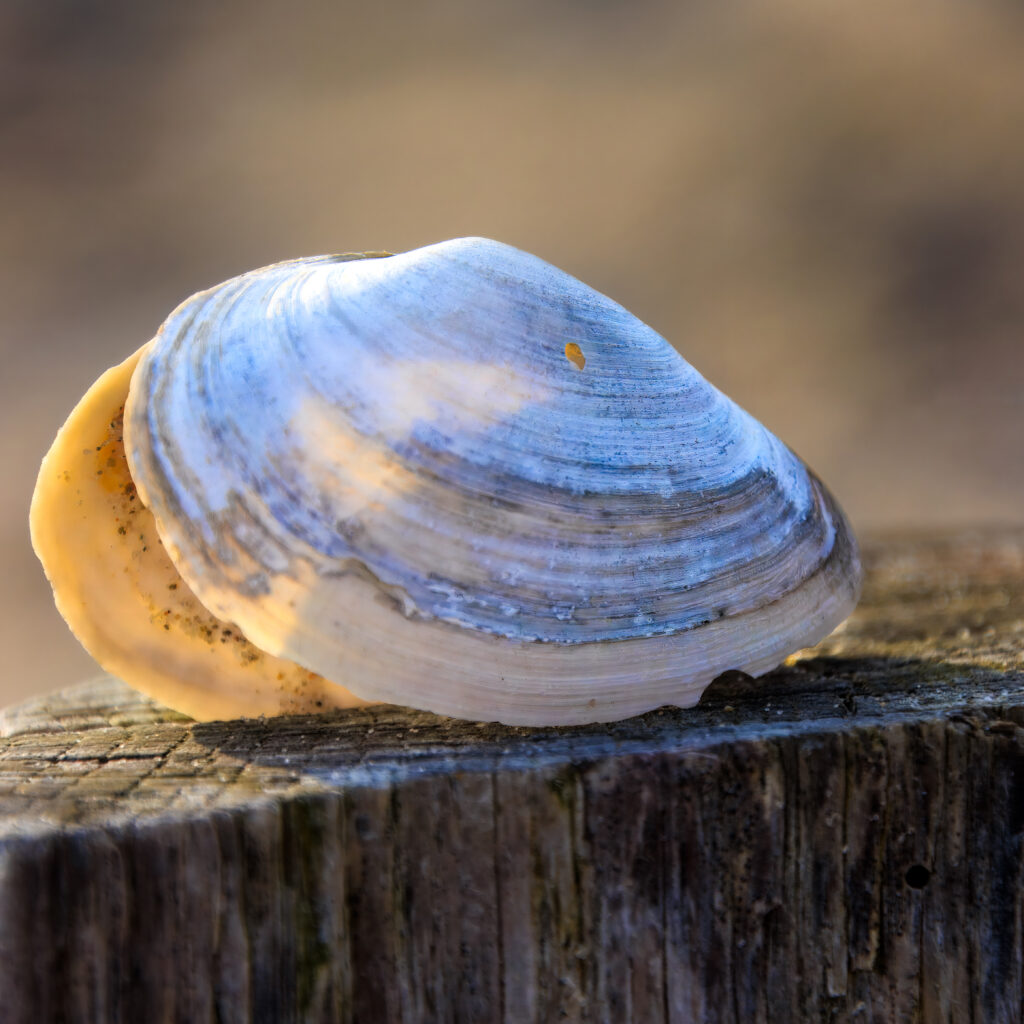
<point x="821" y="206"/>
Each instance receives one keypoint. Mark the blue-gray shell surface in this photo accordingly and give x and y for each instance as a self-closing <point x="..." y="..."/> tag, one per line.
<point x="462" y="480"/>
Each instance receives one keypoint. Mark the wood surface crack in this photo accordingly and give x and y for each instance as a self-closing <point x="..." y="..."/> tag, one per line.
<point x="499" y="939"/>
<point x="848" y="789"/>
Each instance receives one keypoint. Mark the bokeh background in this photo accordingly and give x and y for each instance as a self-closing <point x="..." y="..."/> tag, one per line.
<point x="820" y="205"/>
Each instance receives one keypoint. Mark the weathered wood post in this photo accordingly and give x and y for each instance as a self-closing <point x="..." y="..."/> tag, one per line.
<point x="839" y="841"/>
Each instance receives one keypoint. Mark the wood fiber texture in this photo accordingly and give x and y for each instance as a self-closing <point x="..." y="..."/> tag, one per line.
<point x="838" y="841"/>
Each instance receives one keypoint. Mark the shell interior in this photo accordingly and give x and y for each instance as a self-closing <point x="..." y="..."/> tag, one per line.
<point x="121" y="594"/>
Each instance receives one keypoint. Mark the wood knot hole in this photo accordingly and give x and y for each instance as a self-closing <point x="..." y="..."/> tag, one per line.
<point x="917" y="876"/>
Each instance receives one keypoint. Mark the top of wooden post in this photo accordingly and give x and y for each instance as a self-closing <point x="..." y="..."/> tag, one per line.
<point x="940" y="632"/>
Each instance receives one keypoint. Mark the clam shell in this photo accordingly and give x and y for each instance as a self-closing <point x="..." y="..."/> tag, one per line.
<point x="462" y="480"/>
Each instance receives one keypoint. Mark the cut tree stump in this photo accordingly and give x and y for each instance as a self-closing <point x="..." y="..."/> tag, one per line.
<point x="840" y="840"/>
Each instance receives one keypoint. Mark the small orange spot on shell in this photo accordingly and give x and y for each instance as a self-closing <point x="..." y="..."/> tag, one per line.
<point x="575" y="355"/>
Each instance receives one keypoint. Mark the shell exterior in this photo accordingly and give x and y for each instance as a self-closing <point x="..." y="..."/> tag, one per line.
<point x="462" y="480"/>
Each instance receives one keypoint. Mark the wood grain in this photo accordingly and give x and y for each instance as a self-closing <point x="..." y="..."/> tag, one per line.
<point x="838" y="841"/>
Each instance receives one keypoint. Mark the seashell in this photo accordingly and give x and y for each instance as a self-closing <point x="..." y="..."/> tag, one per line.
<point x="457" y="479"/>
